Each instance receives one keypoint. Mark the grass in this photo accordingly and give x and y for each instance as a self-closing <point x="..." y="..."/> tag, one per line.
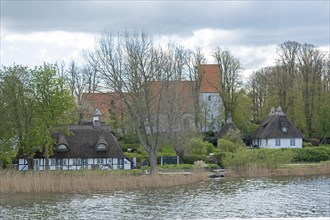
<point x="88" y="181"/>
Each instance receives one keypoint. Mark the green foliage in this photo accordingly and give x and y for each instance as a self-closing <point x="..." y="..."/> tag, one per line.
<point x="197" y="146"/>
<point x="167" y="150"/>
<point x="176" y="166"/>
<point x="311" y="154"/>
<point x="269" y="158"/>
<point x="190" y="159"/>
<point x="228" y="146"/>
<point x="199" y="164"/>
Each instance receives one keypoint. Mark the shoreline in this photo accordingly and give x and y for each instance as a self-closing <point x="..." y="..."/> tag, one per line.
<point x="93" y="181"/>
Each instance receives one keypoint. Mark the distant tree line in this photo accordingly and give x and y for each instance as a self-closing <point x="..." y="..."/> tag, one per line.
<point x="300" y="84"/>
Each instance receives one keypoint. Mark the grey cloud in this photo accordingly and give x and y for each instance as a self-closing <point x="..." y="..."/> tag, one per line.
<point x="264" y="20"/>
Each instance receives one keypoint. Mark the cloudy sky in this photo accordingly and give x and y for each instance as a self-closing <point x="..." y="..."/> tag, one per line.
<point x="33" y="32"/>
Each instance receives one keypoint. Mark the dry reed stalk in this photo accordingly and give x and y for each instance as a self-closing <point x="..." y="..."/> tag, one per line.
<point x="298" y="170"/>
<point x="72" y="182"/>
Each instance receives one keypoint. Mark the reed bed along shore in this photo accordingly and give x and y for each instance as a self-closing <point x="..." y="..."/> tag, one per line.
<point x="322" y="168"/>
<point x="89" y="181"/>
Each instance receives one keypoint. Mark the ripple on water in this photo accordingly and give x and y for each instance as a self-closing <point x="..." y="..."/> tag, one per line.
<point x="224" y="198"/>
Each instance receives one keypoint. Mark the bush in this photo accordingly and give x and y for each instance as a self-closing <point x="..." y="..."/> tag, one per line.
<point x="311" y="154"/>
<point x="314" y="142"/>
<point x="167" y="150"/>
<point x="268" y="158"/>
<point x="234" y="136"/>
<point x="190" y="159"/>
<point x="199" y="164"/>
<point x="176" y="166"/>
<point x="199" y="147"/>
<point x="229" y="146"/>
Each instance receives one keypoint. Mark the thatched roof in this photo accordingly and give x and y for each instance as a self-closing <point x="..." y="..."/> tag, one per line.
<point x="83" y="140"/>
<point x="226" y="128"/>
<point x="277" y="125"/>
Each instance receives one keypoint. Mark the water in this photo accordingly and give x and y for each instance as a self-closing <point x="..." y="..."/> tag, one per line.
<point x="214" y="199"/>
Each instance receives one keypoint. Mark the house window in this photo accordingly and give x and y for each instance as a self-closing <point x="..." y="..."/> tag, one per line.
<point x="100" y="161"/>
<point x="78" y="161"/>
<point x="74" y="161"/>
<point x="85" y="162"/>
<point x="101" y="147"/>
<point x="278" y="142"/>
<point x="59" y="162"/>
<point x="62" y="148"/>
<point x="65" y="162"/>
<point x="209" y="97"/>
<point x="53" y="162"/>
<point x="292" y="142"/>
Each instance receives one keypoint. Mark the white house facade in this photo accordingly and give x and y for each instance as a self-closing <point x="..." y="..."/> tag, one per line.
<point x="89" y="145"/>
<point x="276" y="131"/>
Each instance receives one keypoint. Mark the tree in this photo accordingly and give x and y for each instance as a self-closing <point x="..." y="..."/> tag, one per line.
<point x="17" y="111"/>
<point x="195" y="74"/>
<point x="288" y="53"/>
<point x="310" y="68"/>
<point x="128" y="64"/>
<point x="54" y="108"/>
<point x="230" y="78"/>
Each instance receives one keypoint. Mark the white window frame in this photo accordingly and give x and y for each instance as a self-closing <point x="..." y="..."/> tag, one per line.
<point x="292" y="142"/>
<point x="277" y="142"/>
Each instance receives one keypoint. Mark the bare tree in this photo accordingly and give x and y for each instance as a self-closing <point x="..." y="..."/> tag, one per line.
<point x="230" y="78"/>
<point x="195" y="74"/>
<point x="129" y="63"/>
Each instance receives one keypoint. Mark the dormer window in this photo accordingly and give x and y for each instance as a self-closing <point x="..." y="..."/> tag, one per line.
<point x="62" y="148"/>
<point x="284" y="129"/>
<point x="101" y="147"/>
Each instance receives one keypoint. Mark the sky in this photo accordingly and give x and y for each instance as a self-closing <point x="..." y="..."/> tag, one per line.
<point x="34" y="32"/>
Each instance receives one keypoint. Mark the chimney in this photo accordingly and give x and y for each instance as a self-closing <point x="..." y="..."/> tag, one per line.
<point x="96" y="117"/>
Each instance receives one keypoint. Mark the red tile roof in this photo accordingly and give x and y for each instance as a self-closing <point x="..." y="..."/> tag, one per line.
<point x="211" y="79"/>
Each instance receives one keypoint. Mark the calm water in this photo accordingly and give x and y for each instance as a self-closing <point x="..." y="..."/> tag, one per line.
<point x="215" y="199"/>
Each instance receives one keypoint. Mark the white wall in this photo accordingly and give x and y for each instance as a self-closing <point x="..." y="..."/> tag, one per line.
<point x="39" y="164"/>
<point x="284" y="143"/>
<point x="212" y="104"/>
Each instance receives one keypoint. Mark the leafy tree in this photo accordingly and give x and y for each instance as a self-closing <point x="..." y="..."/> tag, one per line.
<point x="17" y="108"/>
<point x="54" y="107"/>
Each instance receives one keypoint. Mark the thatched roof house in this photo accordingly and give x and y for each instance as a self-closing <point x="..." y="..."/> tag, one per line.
<point x="229" y="126"/>
<point x="89" y="145"/>
<point x="277" y="131"/>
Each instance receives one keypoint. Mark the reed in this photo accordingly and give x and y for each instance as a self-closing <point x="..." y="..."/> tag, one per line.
<point x="89" y="181"/>
<point x="322" y="168"/>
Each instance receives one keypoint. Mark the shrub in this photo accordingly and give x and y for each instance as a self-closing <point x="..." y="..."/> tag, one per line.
<point x="190" y="159"/>
<point x="212" y="166"/>
<point x="167" y="150"/>
<point x="176" y="166"/>
<point x="229" y="146"/>
<point x="311" y="154"/>
<point x="268" y="158"/>
<point x="314" y="141"/>
<point x="234" y="136"/>
<point x="198" y="146"/>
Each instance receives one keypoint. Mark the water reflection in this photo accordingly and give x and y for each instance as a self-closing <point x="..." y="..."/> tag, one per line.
<point x="223" y="198"/>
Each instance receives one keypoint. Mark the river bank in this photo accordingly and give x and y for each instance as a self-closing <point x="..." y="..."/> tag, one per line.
<point x="12" y="181"/>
